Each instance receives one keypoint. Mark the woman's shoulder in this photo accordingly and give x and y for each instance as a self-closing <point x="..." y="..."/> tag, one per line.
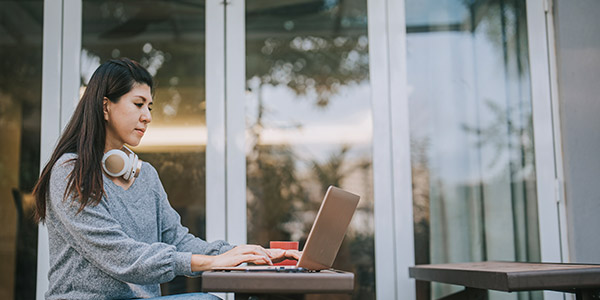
<point x="149" y="171"/>
<point x="59" y="175"/>
<point x="67" y="156"/>
<point x="149" y="177"/>
<point x="65" y="162"/>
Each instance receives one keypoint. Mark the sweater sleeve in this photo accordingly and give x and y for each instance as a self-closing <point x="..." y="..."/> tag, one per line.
<point x="99" y="238"/>
<point x="173" y="233"/>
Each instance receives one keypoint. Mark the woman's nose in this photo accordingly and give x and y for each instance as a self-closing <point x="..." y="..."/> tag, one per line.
<point x="146" y="116"/>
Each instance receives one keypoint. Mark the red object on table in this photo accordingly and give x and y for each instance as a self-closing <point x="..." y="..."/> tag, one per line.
<point x="285" y="246"/>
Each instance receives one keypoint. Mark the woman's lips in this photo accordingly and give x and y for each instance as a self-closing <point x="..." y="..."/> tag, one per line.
<point x="140" y="131"/>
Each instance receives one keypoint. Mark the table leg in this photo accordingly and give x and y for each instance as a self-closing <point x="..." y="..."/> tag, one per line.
<point x="587" y="294"/>
<point x="468" y="294"/>
<point x="239" y="296"/>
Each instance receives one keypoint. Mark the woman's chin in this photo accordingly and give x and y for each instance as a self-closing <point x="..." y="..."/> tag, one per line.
<point x="133" y="142"/>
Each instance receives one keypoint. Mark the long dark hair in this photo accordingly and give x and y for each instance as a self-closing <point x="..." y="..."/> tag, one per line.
<point x="85" y="134"/>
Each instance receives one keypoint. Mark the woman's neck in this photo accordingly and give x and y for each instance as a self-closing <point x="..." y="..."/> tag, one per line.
<point x="109" y="147"/>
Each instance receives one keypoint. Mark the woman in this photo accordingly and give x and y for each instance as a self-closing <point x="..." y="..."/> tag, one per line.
<point x="115" y="237"/>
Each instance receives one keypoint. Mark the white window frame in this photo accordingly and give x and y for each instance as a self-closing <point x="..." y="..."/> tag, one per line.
<point x="225" y="121"/>
<point x="235" y="72"/>
<point x="50" y="119"/>
<point x="60" y="94"/>
<point x="546" y="128"/>
<point x="394" y="250"/>
<point x="216" y="216"/>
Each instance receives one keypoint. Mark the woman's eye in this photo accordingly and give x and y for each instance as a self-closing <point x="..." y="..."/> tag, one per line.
<point x="149" y="108"/>
<point x="139" y="105"/>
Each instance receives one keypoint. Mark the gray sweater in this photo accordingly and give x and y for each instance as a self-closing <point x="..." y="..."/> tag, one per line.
<point x="122" y="248"/>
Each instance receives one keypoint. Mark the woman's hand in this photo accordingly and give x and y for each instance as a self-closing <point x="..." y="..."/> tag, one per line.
<point x="243" y="254"/>
<point x="238" y="255"/>
<point x="277" y="255"/>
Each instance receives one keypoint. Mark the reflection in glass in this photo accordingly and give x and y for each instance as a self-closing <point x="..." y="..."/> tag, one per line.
<point x="309" y="123"/>
<point x="166" y="37"/>
<point x="21" y="25"/>
<point x="471" y="135"/>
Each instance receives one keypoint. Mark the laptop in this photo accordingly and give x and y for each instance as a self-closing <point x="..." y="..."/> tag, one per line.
<point x="325" y="237"/>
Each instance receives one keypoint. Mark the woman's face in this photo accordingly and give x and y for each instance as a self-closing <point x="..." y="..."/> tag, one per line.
<point x="127" y="120"/>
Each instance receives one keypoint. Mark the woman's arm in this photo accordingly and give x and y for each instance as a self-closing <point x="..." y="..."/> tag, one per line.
<point x="209" y="255"/>
<point x="174" y="233"/>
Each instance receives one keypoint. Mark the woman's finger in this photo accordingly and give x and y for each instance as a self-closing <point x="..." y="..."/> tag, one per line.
<point x="262" y="251"/>
<point x="247" y="249"/>
<point x="275" y="253"/>
<point x="257" y="259"/>
<point x="293" y="254"/>
<point x="258" y="250"/>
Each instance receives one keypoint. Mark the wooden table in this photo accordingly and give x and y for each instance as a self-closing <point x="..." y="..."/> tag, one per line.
<point x="277" y="285"/>
<point x="581" y="279"/>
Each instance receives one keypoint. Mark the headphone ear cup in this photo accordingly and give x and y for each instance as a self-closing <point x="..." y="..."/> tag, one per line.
<point x="118" y="163"/>
<point x="129" y="166"/>
<point x="115" y="163"/>
<point x="136" y="166"/>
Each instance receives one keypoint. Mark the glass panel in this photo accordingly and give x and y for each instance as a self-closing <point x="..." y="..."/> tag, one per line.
<point x="167" y="37"/>
<point x="21" y="24"/>
<point x="309" y="124"/>
<point x="471" y="135"/>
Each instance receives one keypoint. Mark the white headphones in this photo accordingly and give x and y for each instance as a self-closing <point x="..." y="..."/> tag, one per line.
<point x="118" y="163"/>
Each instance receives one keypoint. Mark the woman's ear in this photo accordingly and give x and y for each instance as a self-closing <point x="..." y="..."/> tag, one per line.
<point x="105" y="108"/>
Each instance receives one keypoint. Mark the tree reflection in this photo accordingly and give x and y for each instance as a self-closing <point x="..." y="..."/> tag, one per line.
<point x="274" y="194"/>
<point x="314" y="50"/>
<point x="510" y="136"/>
<point x="285" y="189"/>
<point x="319" y="47"/>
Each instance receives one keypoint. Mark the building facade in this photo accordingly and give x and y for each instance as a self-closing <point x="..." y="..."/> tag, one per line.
<point x="467" y="127"/>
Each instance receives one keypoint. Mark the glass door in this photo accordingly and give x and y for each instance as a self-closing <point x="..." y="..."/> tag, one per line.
<point x="168" y="38"/>
<point x="471" y="135"/>
<point x="308" y="123"/>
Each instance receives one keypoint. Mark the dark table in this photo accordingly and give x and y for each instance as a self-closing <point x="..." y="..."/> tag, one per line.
<point x="277" y="285"/>
<point x="477" y="278"/>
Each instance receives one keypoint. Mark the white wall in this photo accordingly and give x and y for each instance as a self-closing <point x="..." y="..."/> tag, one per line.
<point x="577" y="29"/>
